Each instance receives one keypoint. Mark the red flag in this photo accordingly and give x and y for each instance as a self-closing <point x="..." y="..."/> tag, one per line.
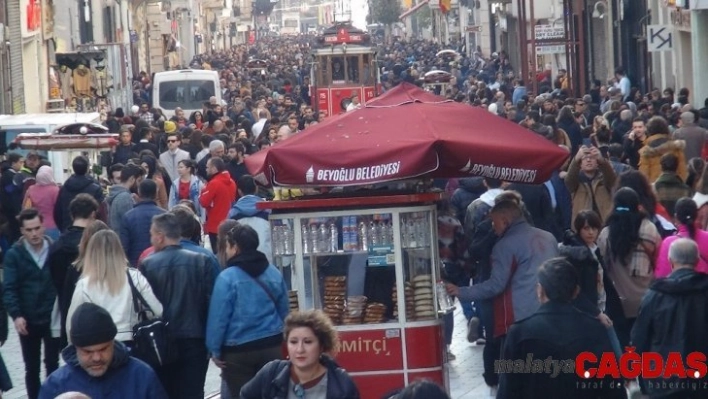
<point x="445" y="6"/>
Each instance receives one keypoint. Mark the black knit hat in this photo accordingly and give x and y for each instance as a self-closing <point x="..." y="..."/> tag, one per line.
<point x="91" y="325"/>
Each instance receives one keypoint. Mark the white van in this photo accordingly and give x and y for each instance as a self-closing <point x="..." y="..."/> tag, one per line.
<point x="188" y="89"/>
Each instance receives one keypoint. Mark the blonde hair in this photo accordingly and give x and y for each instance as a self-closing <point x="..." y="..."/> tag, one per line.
<point x="105" y="262"/>
<point x="90" y="230"/>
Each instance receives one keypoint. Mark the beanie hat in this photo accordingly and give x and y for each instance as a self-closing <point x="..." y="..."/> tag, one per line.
<point x="170" y="127"/>
<point x="91" y="325"/>
<point x="119" y="113"/>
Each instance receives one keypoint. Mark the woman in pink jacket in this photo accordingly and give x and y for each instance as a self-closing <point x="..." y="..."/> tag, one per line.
<point x="42" y="196"/>
<point x="686" y="212"/>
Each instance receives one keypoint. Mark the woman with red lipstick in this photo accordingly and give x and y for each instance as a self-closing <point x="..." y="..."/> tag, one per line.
<point x="309" y="373"/>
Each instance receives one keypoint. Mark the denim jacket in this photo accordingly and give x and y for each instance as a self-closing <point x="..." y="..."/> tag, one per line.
<point x="195" y="188"/>
<point x="241" y="311"/>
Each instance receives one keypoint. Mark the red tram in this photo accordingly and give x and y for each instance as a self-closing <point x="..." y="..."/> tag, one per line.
<point x="344" y="66"/>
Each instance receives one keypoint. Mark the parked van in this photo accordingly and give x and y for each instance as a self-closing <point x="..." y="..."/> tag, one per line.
<point x="188" y="89"/>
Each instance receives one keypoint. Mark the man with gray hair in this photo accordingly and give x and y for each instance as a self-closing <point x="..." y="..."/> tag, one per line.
<point x="217" y="148"/>
<point x="694" y="135"/>
<point x="673" y="318"/>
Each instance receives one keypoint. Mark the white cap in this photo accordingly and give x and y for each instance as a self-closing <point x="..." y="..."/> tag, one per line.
<point x="134" y="109"/>
<point x="492" y="108"/>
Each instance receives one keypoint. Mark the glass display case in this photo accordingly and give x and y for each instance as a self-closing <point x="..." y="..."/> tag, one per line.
<point x="374" y="271"/>
<point x="345" y="264"/>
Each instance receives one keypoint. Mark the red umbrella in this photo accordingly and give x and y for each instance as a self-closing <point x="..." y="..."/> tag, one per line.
<point x="407" y="133"/>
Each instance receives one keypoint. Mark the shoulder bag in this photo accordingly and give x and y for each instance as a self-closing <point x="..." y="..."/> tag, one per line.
<point x="151" y="342"/>
<point x="270" y="295"/>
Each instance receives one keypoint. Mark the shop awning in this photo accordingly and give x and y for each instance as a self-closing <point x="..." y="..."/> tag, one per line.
<point x="413" y="9"/>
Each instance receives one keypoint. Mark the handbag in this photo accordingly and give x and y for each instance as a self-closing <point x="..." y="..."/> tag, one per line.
<point x="151" y="340"/>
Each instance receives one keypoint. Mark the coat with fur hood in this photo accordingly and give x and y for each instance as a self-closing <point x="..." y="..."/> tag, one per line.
<point x="654" y="148"/>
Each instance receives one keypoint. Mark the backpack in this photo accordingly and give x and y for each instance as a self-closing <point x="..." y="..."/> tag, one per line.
<point x="480" y="248"/>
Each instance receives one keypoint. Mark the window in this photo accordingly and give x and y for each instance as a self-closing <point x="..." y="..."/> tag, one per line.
<point x="187" y="94"/>
<point x="291" y="23"/>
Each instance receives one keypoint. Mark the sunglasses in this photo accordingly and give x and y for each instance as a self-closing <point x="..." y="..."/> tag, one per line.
<point x="172" y="140"/>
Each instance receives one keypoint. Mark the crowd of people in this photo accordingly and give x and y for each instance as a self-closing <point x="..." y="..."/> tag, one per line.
<point x="627" y="211"/>
<point x="599" y="249"/>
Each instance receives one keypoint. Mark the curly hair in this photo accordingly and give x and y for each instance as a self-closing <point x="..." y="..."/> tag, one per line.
<point x="319" y="323"/>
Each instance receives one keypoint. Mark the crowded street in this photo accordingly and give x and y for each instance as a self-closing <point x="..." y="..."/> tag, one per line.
<point x="380" y="199"/>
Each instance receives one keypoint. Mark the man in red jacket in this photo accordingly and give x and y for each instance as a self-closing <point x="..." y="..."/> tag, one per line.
<point x="217" y="197"/>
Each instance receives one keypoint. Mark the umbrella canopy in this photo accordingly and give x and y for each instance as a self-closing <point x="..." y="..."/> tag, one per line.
<point x="406" y="133"/>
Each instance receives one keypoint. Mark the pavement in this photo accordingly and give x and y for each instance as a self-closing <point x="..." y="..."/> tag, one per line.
<point x="465" y="371"/>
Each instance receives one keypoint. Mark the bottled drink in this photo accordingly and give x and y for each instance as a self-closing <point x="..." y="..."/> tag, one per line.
<point x="287" y="239"/>
<point x="306" y="240"/>
<point x="389" y="233"/>
<point x="323" y="238"/>
<point x="314" y="239"/>
<point x="363" y="237"/>
<point x="374" y="234"/>
<point x="333" y="238"/>
<point x="275" y="238"/>
<point x="411" y="233"/>
<point x="420" y="232"/>
<point x="425" y="232"/>
<point x="353" y="234"/>
<point x="444" y="300"/>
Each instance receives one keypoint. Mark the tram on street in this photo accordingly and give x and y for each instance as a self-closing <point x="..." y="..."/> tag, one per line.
<point x="344" y="66"/>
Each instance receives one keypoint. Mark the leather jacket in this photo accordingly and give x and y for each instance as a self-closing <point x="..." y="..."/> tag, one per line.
<point x="272" y="381"/>
<point x="183" y="281"/>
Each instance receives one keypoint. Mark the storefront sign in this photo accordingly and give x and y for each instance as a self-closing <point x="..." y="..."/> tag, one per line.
<point x="549" y="32"/>
<point x="552" y="49"/>
<point x="31" y="15"/>
<point x="371" y="350"/>
<point x="660" y="38"/>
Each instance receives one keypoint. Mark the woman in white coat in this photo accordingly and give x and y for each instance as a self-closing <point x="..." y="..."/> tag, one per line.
<point x="104" y="282"/>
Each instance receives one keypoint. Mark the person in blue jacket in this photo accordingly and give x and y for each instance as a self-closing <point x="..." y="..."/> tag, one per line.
<point x="97" y="365"/>
<point x="248" y="306"/>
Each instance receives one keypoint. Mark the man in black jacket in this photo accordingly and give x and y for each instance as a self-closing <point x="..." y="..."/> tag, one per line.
<point x="64" y="251"/>
<point x="672" y="318"/>
<point x="181" y="280"/>
<point x="30" y="299"/>
<point x="76" y="184"/>
<point x="560" y="332"/>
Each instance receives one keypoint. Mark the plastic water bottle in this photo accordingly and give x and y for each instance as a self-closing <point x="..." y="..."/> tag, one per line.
<point x="323" y="238"/>
<point x="374" y="235"/>
<point x="388" y="229"/>
<point x="411" y="234"/>
<point x="315" y="239"/>
<point x="275" y="237"/>
<point x="333" y="238"/>
<point x="306" y="240"/>
<point x="287" y="239"/>
<point x="363" y="237"/>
